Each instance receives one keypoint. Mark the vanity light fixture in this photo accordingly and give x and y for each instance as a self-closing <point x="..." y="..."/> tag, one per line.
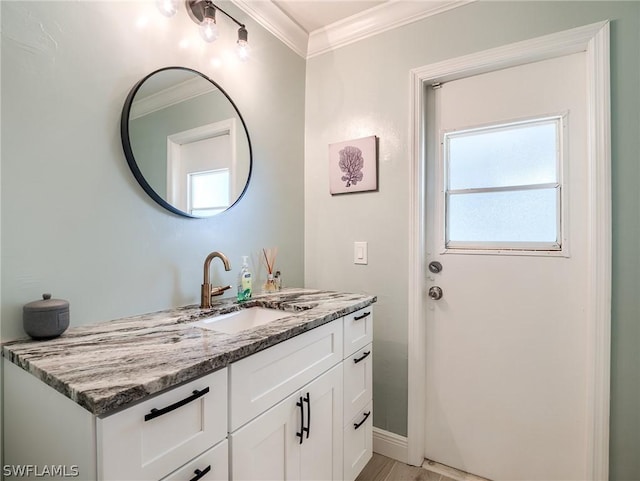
<point x="203" y="13"/>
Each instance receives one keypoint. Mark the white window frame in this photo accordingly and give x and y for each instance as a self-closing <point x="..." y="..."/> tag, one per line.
<point x="545" y="249"/>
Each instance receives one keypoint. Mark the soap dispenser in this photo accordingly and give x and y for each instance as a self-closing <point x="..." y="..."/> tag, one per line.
<point x="244" y="281"/>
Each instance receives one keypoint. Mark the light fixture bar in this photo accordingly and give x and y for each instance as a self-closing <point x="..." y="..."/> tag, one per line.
<point x="238" y="23"/>
<point x="196" y="8"/>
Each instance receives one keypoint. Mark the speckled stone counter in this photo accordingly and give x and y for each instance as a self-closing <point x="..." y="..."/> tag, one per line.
<point x="109" y="365"/>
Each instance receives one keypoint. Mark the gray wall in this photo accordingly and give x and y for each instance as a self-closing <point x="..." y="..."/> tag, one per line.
<point x="363" y="89"/>
<point x="74" y="220"/>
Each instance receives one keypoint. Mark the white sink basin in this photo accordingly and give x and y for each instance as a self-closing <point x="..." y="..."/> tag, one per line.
<point x="243" y="319"/>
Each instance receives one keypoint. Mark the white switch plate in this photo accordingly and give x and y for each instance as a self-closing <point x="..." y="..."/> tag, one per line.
<point x="360" y="254"/>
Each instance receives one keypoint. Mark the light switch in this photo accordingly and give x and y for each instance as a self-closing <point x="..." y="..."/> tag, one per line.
<point x="360" y="255"/>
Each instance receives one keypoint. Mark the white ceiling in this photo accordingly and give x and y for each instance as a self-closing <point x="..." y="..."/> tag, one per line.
<point x="314" y="15"/>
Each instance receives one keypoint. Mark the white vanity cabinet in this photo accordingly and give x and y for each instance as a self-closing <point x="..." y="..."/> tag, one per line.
<point x="298" y="410"/>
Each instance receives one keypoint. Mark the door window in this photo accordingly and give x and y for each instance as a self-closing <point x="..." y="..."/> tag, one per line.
<point x="503" y="186"/>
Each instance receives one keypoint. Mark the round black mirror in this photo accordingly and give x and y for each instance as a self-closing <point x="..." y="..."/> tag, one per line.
<point x="186" y="142"/>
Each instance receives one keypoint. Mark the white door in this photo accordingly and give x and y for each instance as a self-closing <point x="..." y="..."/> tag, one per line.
<point x="506" y="206"/>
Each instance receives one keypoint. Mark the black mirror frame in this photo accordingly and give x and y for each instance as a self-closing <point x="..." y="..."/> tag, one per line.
<point x="128" y="151"/>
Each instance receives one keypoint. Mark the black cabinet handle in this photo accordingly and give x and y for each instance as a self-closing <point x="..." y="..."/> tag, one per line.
<point x="159" y="412"/>
<point x="307" y="399"/>
<point x="366" y="314"/>
<point x="301" y="433"/>
<point x="366" y="415"/>
<point x="199" y="474"/>
<point x="364" y="356"/>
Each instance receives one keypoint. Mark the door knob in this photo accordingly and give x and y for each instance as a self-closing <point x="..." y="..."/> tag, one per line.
<point x="435" y="293"/>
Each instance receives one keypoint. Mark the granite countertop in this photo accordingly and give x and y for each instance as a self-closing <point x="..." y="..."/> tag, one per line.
<point x="109" y="365"/>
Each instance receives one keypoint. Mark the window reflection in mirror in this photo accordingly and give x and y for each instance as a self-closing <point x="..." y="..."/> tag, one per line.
<point x="208" y="192"/>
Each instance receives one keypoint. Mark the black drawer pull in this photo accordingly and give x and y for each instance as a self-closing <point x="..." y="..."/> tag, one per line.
<point x="366" y="314"/>
<point x="364" y="356"/>
<point x="307" y="399"/>
<point x="159" y="412"/>
<point x="301" y="433"/>
<point x="199" y="474"/>
<point x="366" y="416"/>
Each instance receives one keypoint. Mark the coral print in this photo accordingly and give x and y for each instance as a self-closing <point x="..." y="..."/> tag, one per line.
<point x="351" y="163"/>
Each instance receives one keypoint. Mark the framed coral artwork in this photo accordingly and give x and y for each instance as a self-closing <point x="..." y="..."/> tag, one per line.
<point x="353" y="166"/>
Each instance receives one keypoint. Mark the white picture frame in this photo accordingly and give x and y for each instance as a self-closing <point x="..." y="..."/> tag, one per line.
<point x="353" y="166"/>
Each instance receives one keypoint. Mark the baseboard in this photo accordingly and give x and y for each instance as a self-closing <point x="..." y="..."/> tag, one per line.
<point x="390" y="445"/>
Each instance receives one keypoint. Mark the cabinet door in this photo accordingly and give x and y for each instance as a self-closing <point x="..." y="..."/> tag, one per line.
<point x="267" y="448"/>
<point x="321" y="450"/>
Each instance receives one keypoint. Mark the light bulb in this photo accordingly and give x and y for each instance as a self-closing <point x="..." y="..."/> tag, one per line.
<point x="243" y="45"/>
<point x="243" y="50"/>
<point x="168" y="8"/>
<point x="209" y="29"/>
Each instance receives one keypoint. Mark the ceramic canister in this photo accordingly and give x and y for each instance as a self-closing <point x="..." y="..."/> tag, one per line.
<point x="46" y="318"/>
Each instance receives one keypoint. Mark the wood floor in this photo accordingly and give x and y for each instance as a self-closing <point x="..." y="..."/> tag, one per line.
<point x="381" y="468"/>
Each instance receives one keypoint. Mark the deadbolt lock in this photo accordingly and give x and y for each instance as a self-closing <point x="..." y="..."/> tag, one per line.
<point x="435" y="267"/>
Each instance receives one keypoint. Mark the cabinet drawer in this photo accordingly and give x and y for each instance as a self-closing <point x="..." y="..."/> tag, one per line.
<point x="358" y="330"/>
<point x="263" y="379"/>
<point x="210" y="466"/>
<point x="358" y="380"/>
<point x="358" y="443"/>
<point x="180" y="424"/>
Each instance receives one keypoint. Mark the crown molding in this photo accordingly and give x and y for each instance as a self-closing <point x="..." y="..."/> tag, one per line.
<point x="269" y="16"/>
<point x="386" y="16"/>
<point x="169" y="96"/>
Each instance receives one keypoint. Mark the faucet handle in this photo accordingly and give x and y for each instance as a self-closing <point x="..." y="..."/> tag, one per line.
<point x="218" y="290"/>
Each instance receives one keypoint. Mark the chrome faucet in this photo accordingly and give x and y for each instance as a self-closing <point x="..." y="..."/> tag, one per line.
<point x="206" y="292"/>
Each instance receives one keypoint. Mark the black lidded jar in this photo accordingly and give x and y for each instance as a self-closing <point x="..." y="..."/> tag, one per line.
<point x="46" y="318"/>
